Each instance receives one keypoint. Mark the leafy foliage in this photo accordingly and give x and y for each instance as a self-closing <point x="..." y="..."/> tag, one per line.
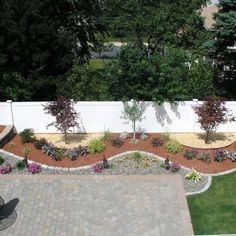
<point x="39" y="143"/>
<point x="193" y="175"/>
<point x="175" y="167"/>
<point x="27" y="136"/>
<point x="107" y="136"/>
<point x="72" y="153"/>
<point x="191" y="154"/>
<point x="160" y="22"/>
<point x="6" y="169"/>
<point x="136" y="156"/>
<point x="133" y="112"/>
<point x="97" y="167"/>
<point x="96" y="146"/>
<point x="117" y="142"/>
<point x="220" y="155"/>
<point x="55" y="153"/>
<point x="170" y="77"/>
<point x="20" y="165"/>
<point x="173" y="146"/>
<point x="224" y="36"/>
<point x="157" y="142"/>
<point x="211" y="113"/>
<point x="83" y="151"/>
<point x="39" y="42"/>
<point x="87" y="83"/>
<point x="65" y="114"/>
<point x="205" y="157"/>
<point x="34" y="168"/>
<point x="2" y="160"/>
<point x="231" y="155"/>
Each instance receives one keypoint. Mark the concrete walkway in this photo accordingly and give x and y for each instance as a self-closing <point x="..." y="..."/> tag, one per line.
<point x="97" y="205"/>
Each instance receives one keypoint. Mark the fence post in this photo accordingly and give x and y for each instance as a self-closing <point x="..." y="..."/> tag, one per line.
<point x="10" y="112"/>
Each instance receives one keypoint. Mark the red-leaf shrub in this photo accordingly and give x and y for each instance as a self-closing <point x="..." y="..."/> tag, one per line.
<point x="211" y="113"/>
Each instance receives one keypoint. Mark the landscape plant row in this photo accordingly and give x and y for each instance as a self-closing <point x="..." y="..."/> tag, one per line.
<point x="6" y="168"/>
<point x="219" y="155"/>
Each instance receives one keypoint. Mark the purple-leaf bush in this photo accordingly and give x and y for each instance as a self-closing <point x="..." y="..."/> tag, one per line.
<point x="220" y="155"/>
<point x="175" y="167"/>
<point x="34" y="168"/>
<point x="7" y="168"/>
<point x="97" y="167"/>
<point x="231" y="155"/>
<point x="191" y="154"/>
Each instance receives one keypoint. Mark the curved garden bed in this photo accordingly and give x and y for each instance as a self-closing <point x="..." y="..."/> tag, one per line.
<point x="15" y="146"/>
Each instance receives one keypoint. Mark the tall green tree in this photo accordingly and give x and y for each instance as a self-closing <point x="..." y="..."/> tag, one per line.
<point x="159" y="22"/>
<point x="218" y="48"/>
<point x="176" y="76"/>
<point x="224" y="37"/>
<point x="39" y="41"/>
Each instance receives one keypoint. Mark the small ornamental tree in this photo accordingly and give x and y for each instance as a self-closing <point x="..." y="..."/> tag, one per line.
<point x="133" y="112"/>
<point x="211" y="113"/>
<point x="65" y="114"/>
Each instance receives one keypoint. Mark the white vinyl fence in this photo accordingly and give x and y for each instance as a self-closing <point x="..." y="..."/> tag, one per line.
<point x="101" y="116"/>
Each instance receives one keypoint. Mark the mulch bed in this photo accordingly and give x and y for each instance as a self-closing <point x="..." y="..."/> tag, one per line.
<point x="144" y="145"/>
<point x="2" y="128"/>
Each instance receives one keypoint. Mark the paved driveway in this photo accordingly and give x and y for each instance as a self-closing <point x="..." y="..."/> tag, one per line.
<point x="97" y="205"/>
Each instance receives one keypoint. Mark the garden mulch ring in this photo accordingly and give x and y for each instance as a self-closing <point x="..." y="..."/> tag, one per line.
<point x="2" y="128"/>
<point x="17" y="147"/>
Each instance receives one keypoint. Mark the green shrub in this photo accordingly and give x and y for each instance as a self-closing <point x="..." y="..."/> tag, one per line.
<point x="205" y="157"/>
<point x="20" y="165"/>
<point x="2" y="160"/>
<point x="27" y="136"/>
<point x="193" y="175"/>
<point x="39" y="143"/>
<point x="173" y="146"/>
<point x="166" y="136"/>
<point x="107" y="136"/>
<point x="96" y="146"/>
<point x="136" y="156"/>
<point x="157" y="142"/>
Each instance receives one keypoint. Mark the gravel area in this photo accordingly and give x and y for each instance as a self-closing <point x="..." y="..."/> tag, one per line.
<point x="196" y="140"/>
<point x="124" y="165"/>
<point x="74" y="139"/>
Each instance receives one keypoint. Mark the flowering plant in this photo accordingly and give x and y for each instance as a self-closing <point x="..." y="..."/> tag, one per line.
<point x="6" y="169"/>
<point x="34" y="168"/>
<point x="97" y="167"/>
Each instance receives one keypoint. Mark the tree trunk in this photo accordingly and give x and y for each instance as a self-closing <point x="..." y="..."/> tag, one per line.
<point x="65" y="136"/>
<point x="134" y="136"/>
<point x="26" y="160"/>
<point x="207" y="137"/>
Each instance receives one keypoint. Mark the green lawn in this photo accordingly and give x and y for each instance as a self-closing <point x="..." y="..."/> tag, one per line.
<point x="214" y="211"/>
<point x="98" y="63"/>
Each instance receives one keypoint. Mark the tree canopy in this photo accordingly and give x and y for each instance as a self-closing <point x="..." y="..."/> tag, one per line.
<point x="173" y="77"/>
<point x="159" y="22"/>
<point x="39" y="41"/>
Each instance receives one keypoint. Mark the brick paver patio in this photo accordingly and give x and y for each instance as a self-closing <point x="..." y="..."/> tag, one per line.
<point x="97" y="205"/>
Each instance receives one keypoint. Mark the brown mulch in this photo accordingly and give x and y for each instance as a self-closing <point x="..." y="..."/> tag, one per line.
<point x="144" y="145"/>
<point x="2" y="128"/>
